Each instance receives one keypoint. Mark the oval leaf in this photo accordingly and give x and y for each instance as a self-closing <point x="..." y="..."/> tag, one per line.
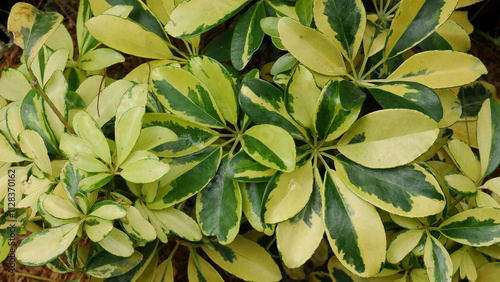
<point x="144" y="171"/>
<point x="243" y="168"/>
<point x="488" y="136"/>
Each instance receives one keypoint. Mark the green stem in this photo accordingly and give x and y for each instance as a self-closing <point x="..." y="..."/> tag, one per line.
<point x="393" y="8"/>
<point x="227" y="142"/>
<point x="50" y="103"/>
<point x="333" y="147"/>
<point x="169" y="259"/>
<point x="234" y="146"/>
<point x="374" y="67"/>
<point x="171" y="46"/>
<point x="323" y="161"/>
<point x="456" y="201"/>
<point x="328" y="156"/>
<point x="34" y="277"/>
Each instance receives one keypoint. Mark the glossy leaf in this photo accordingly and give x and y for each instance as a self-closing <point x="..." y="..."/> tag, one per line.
<point x="265" y="104"/>
<point x="245" y="259"/>
<point x="408" y="95"/>
<point x="137" y="226"/>
<point x="488" y="136"/>
<point x="388" y="138"/>
<point x="288" y="193"/>
<point x="312" y="48"/>
<point x="298" y="237"/>
<point x="439" y="69"/>
<point x="59" y="207"/>
<point x="186" y="96"/>
<point x="154" y="136"/>
<point x="475" y="227"/>
<point x="103" y="107"/>
<point x="460" y="184"/>
<point x="200" y="270"/>
<point x="92" y="135"/>
<point x="343" y="21"/>
<point x="354" y="228"/>
<point x="304" y="10"/>
<point x="218" y="206"/>
<point x="437" y="261"/>
<point x="105" y="264"/>
<point x="32" y="145"/>
<point x="410" y="190"/>
<point x="118" y="243"/>
<point x="271" y="146"/>
<point x="177" y="222"/>
<point x="100" y="59"/>
<point x="144" y="271"/>
<point x="13" y="85"/>
<point x="188" y="175"/>
<point x="8" y="153"/>
<point x="331" y="120"/>
<point x="243" y="168"/>
<point x="464" y="159"/>
<point x="402" y="244"/>
<point x="252" y="196"/>
<point x="247" y="36"/>
<point x="127" y="131"/>
<point x="414" y="21"/>
<point x="97" y="228"/>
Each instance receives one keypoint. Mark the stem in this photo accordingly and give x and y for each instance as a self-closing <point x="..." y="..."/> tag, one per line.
<point x="234" y="146"/>
<point x="227" y="142"/>
<point x="374" y="67"/>
<point x="226" y="135"/>
<point x="50" y="103"/>
<point x="171" y="46"/>
<point x="456" y="201"/>
<point x="323" y="161"/>
<point x="169" y="259"/>
<point x="34" y="277"/>
<point x="393" y="8"/>
<point x="328" y="156"/>
<point x="333" y="147"/>
<point x="355" y="75"/>
<point x="386" y="6"/>
<point x="376" y="7"/>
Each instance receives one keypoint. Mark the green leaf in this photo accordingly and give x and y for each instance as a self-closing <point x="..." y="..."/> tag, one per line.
<point x="188" y="175"/>
<point x="186" y="96"/>
<point x="488" y="136"/>
<point x="200" y="270"/>
<point x="460" y="184"/>
<point x="388" y="138"/>
<point x="151" y="46"/>
<point x="243" y="168"/>
<point x="149" y="256"/>
<point x="97" y="228"/>
<point x="408" y="95"/>
<point x="245" y="259"/>
<point x="283" y="64"/>
<point x="86" y="41"/>
<point x="414" y="21"/>
<point x="191" y="136"/>
<point x="271" y="146"/>
<point x="265" y="104"/>
<point x="218" y="206"/>
<point x="331" y="119"/>
<point x="475" y="227"/>
<point x="288" y="193"/>
<point x="472" y="97"/>
<point x="105" y="264"/>
<point x="410" y="190"/>
<point x="247" y="35"/>
<point x="301" y="96"/>
<point x="108" y="209"/>
<point x="437" y="261"/>
<point x="218" y="82"/>
<point x="34" y="118"/>
<point x="304" y="10"/>
<point x="204" y="15"/>
<point x="136" y="226"/>
<point x="440" y="69"/>
<point x="311" y="47"/>
<point x="31" y="28"/>
<point x="41" y="247"/>
<point x="298" y="237"/>
<point x="354" y="228"/>
<point x="252" y="196"/>
<point x="343" y="21"/>
<point x="219" y="48"/>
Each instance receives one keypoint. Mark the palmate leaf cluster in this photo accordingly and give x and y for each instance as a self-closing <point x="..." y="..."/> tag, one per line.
<point x="197" y="147"/>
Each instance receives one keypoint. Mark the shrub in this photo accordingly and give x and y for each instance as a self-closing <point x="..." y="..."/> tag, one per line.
<point x="357" y="132"/>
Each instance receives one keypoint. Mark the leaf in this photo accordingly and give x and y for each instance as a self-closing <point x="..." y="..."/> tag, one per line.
<point x="13" y="85"/>
<point x="127" y="131"/>
<point x="186" y="96"/>
<point x="402" y="244"/>
<point x="243" y="168"/>
<point x="488" y="136"/>
<point x="107" y="209"/>
<point x="97" y="228"/>
<point x="100" y="59"/>
<point x="34" y="118"/>
<point x="205" y="16"/>
<point x="31" y="28"/>
<point x="41" y="247"/>
<point x="464" y="159"/>
<point x="299" y="236"/>
<point x="330" y="119"/>
<point x="388" y="138"/>
<point x="410" y="190"/>
<point x="144" y="271"/>
<point x="439" y="69"/>
<point x="219" y="48"/>
<point x="150" y="44"/>
<point x="218" y="82"/>
<point x="164" y="272"/>
<point x="85" y="40"/>
<point x="188" y="175"/>
<point x="154" y="136"/>
<point x="414" y="21"/>
<point x="437" y="261"/>
<point x="475" y="227"/>
<point x="60" y="208"/>
<point x="460" y="184"/>
<point x="191" y="136"/>
<point x="449" y="36"/>
<point x="245" y="259"/>
<point x="178" y="222"/>
<point x="472" y="97"/>
<point x="105" y="264"/>
<point x="32" y="145"/>
<point x="118" y="243"/>
<point x="91" y="134"/>
<point x="218" y="206"/>
<point x="252" y="196"/>
<point x="57" y="89"/>
<point x="408" y="95"/>
<point x="301" y="96"/>
<point x="343" y="21"/>
<point x="287" y="193"/>
<point x="304" y="10"/>
<point x="265" y="104"/>
<point x="136" y="226"/>
<point x="271" y="146"/>
<point x="200" y="270"/>
<point x="354" y="228"/>
<point x="270" y="26"/>
<point x="312" y="48"/>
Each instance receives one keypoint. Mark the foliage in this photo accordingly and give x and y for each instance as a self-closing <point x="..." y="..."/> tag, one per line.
<point x="188" y="148"/>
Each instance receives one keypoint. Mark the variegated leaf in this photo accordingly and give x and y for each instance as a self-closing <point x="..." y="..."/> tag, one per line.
<point x="200" y="270"/>
<point x="488" y="136"/>
<point x="105" y="264"/>
<point x="410" y="190"/>
<point x="252" y="196"/>
<point x="243" y="168"/>
<point x="13" y="85"/>
<point x="437" y="261"/>
<point x="177" y="222"/>
<point x="402" y="244"/>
